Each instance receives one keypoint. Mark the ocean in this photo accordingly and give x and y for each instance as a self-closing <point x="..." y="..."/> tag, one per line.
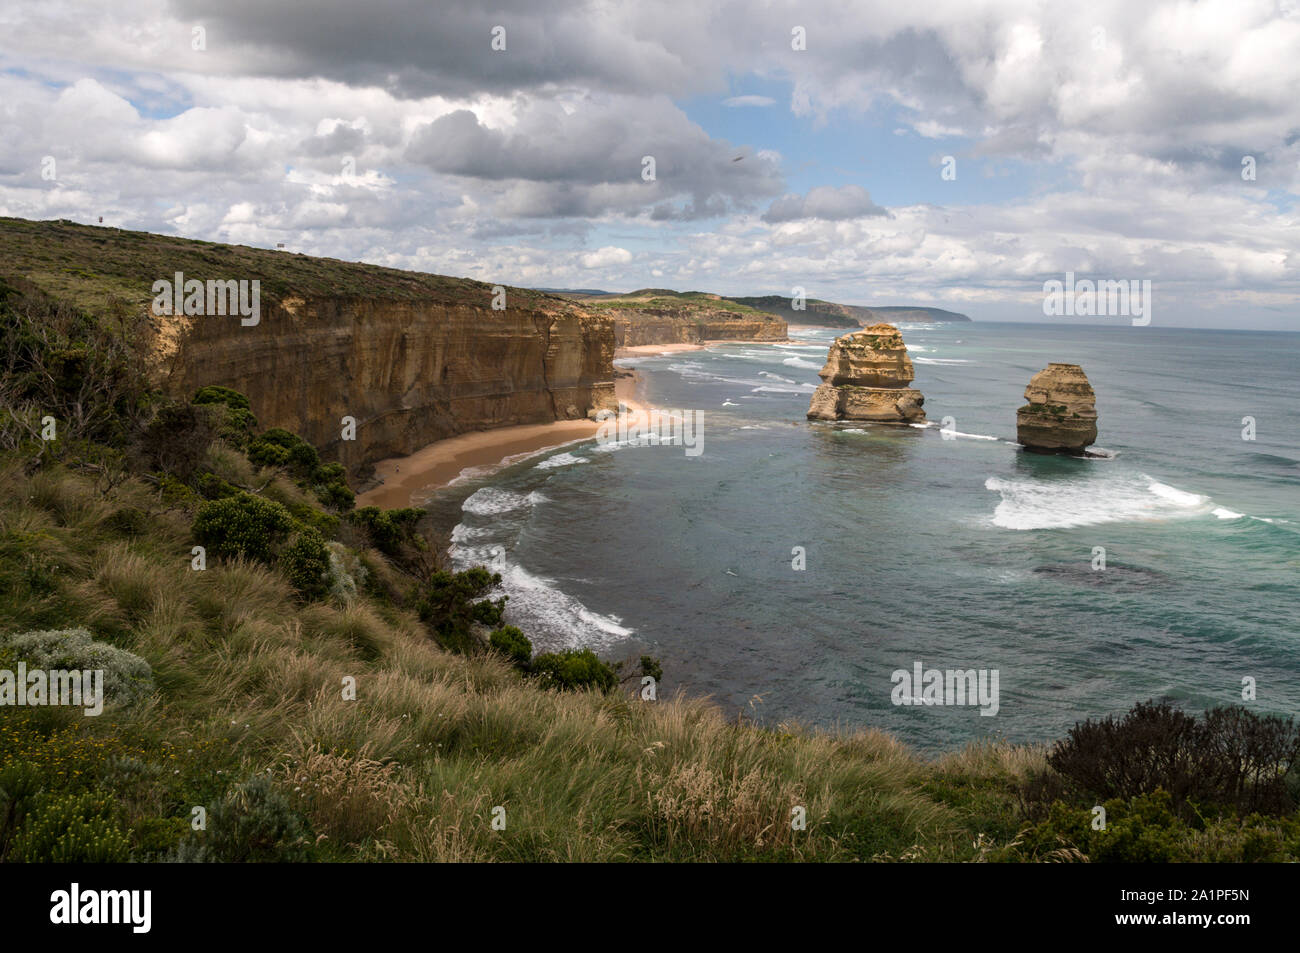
<point x="962" y="553"/>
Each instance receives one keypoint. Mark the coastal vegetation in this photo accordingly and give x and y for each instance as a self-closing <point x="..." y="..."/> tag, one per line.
<point x="316" y="683"/>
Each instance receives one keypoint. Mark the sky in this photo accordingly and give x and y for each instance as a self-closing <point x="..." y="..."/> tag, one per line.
<point x="954" y="154"/>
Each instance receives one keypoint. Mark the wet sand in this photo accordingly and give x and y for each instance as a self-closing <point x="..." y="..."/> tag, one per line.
<point x="407" y="481"/>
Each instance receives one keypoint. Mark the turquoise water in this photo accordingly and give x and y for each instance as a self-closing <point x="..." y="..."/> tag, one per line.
<point x="957" y="553"/>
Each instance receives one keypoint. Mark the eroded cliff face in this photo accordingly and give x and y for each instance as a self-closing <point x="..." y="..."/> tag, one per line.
<point x="866" y="377"/>
<point x="410" y="372"/>
<point x="636" y="327"/>
<point x="1061" y="416"/>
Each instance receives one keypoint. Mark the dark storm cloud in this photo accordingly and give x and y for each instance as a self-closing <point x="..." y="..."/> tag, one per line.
<point x="419" y="48"/>
<point x="589" y="157"/>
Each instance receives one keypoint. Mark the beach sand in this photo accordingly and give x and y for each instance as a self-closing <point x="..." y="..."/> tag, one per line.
<point x="655" y="349"/>
<point x="407" y="481"/>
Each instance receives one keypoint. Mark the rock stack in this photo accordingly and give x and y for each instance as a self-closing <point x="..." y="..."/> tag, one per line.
<point x="866" y="377"/>
<point x="1061" y="416"/>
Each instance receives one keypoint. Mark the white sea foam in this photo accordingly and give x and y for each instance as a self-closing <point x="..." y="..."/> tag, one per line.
<point x="939" y="360"/>
<point x="463" y="533"/>
<point x="793" y="389"/>
<point x="489" y="501"/>
<point x="800" y="362"/>
<point x="561" y="460"/>
<point x="1058" y="504"/>
<point x="1223" y="513"/>
<point x="552" y="617"/>
<point x="691" y="370"/>
<point x="776" y="377"/>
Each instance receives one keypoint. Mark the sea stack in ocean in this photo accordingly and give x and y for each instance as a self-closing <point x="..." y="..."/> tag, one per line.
<point x="866" y="377"/>
<point x="1061" y="416"/>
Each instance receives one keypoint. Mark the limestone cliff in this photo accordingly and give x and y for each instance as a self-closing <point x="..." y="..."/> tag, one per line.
<point x="1061" y="416"/>
<point x="653" y="326"/>
<point x="412" y="357"/>
<point x="662" y="316"/>
<point x="408" y="372"/>
<point x="866" y="377"/>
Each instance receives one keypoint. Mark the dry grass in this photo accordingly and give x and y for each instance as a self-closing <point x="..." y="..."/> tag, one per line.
<point x="413" y="768"/>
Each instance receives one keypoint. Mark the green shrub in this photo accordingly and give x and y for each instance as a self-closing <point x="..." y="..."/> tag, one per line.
<point x="239" y="421"/>
<point x="253" y="823"/>
<point x="70" y="828"/>
<point x="309" y="516"/>
<point x="221" y="395"/>
<point x="390" y="531"/>
<point x="1230" y="758"/>
<point x="306" y="563"/>
<point x="212" y="487"/>
<point x="176" y="440"/>
<point x="242" y="525"/>
<point x="173" y="492"/>
<point x="278" y="447"/>
<point x="453" y="603"/>
<point x="653" y="667"/>
<point x="330" y="484"/>
<point x="574" y="669"/>
<point x="127" y="677"/>
<point x="513" y="644"/>
<point x="127" y="521"/>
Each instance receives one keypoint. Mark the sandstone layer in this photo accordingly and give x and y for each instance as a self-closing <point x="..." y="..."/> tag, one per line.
<point x="1061" y="416"/>
<point x="866" y="377"/>
<point x="408" y="371"/>
<point x="641" y="326"/>
<point x="411" y="357"/>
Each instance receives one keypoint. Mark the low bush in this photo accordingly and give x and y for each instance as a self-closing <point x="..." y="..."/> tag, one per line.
<point x="453" y="603"/>
<point x="278" y="447"/>
<point x="390" y="531"/>
<point x="253" y="823"/>
<point x="306" y="563"/>
<point x="1230" y="759"/>
<point x="176" y="439"/>
<point x="239" y="423"/>
<point x="242" y="525"/>
<point x="574" y="669"/>
<point x="513" y="644"/>
<point x="127" y="677"/>
<point x="70" y="828"/>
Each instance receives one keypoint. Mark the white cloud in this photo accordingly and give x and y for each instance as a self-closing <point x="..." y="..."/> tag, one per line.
<point x="501" y="167"/>
<point x="604" y="257"/>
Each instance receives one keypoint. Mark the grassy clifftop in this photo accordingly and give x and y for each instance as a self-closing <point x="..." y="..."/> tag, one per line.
<point x="664" y="299"/>
<point x="249" y="718"/>
<point x="86" y="264"/>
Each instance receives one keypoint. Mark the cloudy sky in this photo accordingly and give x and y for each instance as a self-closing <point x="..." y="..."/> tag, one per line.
<point x="949" y="153"/>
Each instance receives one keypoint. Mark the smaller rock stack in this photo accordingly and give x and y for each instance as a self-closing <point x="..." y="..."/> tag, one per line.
<point x="1061" y="416"/>
<point x="866" y="377"/>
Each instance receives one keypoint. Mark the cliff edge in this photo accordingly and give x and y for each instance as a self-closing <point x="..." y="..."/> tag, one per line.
<point x="410" y="358"/>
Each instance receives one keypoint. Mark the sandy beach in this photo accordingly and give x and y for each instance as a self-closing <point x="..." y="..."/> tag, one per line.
<point x="406" y="481"/>
<point x="643" y="349"/>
